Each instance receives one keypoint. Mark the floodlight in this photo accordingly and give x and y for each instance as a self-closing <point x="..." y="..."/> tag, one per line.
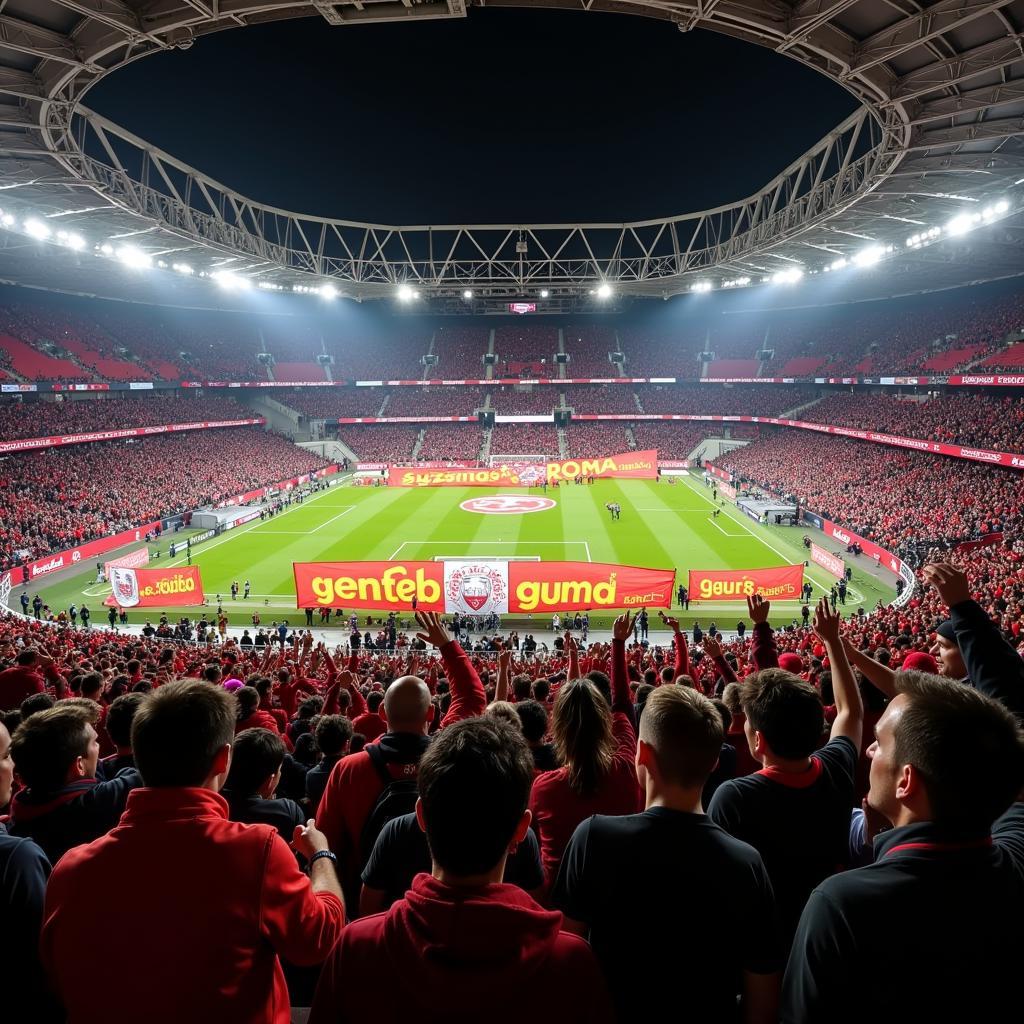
<point x="790" y="276"/>
<point x="182" y="268"/>
<point x="135" y="258"/>
<point x="604" y="290"/>
<point x="329" y="292"/>
<point x="960" y="225"/>
<point x="36" y="228"/>
<point x="544" y="293"/>
<point x="467" y="294"/>
<point x="405" y="293"/>
<point x="869" y="256"/>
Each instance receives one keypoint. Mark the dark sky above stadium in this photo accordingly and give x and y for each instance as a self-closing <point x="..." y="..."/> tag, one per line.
<point x="506" y="115"/>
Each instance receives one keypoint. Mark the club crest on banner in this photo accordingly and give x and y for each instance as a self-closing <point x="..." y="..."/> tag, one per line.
<point x="476" y="588"/>
<point x="125" y="584"/>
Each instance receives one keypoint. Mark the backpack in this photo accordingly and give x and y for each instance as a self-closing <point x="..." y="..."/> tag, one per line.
<point x="398" y="797"/>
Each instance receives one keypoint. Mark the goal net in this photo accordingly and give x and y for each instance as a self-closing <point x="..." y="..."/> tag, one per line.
<point x="486" y="558"/>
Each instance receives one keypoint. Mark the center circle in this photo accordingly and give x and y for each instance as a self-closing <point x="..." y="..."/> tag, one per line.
<point x="507" y="504"/>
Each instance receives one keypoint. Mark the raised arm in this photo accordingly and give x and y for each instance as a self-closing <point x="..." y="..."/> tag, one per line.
<point x="468" y="696"/>
<point x="993" y="666"/>
<point x="763" y="651"/>
<point x="504" y="675"/>
<point x="622" y="702"/>
<point x="849" y="706"/>
<point x="713" y="649"/>
<point x="681" y="667"/>
<point x="880" y="676"/>
<point x="574" y="656"/>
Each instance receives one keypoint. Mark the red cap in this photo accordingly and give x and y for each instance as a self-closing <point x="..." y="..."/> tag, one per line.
<point x="791" y="663"/>
<point x="920" y="662"/>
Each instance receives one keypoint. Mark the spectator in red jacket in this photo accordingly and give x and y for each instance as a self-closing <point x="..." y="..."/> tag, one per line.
<point x="372" y="723"/>
<point x="223" y="923"/>
<point x="596" y="745"/>
<point x="462" y="945"/>
<point x="23" y="679"/>
<point x="250" y="715"/>
<point x="357" y="780"/>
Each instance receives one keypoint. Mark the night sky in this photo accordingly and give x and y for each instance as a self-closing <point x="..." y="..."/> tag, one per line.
<point x="507" y="115"/>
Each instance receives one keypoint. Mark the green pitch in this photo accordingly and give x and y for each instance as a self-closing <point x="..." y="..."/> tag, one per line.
<point x="662" y="526"/>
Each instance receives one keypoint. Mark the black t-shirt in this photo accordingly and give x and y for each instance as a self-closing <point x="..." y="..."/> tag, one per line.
<point x="401" y="853"/>
<point x="282" y="814"/>
<point x="640" y="883"/>
<point x="800" y="824"/>
<point x="724" y="770"/>
<point x="930" y="931"/>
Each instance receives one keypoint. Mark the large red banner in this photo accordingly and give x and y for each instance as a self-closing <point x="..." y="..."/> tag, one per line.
<point x="782" y="583"/>
<point x="146" y="588"/>
<point x="29" y="443"/>
<point x="509" y="475"/>
<point x="635" y="465"/>
<point x="831" y="563"/>
<point x="477" y="587"/>
<point x="632" y="465"/>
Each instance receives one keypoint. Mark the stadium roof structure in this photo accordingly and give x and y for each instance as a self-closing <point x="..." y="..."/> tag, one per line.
<point x="922" y="187"/>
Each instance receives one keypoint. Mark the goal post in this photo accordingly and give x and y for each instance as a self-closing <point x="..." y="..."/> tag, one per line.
<point x="486" y="558"/>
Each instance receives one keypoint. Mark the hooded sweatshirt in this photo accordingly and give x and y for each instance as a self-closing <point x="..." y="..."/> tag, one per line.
<point x="460" y="955"/>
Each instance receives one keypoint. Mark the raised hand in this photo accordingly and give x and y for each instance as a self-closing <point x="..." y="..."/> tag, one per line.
<point x="949" y="581"/>
<point x="712" y="648"/>
<point x="826" y="623"/>
<point x="622" y="628"/>
<point x="433" y="630"/>
<point x="671" y="622"/>
<point x="758" y="608"/>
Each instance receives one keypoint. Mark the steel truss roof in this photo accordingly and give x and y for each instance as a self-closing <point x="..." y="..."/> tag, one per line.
<point x="940" y="127"/>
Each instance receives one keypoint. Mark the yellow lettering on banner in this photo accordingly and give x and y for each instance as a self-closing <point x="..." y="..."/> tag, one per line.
<point x="323" y="588"/>
<point x="726" y="588"/>
<point x="604" y="593"/>
<point x="393" y="587"/>
<point x="408" y="479"/>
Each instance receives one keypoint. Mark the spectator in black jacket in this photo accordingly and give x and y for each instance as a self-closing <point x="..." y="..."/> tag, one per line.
<point x="946" y="766"/>
<point x="120" y="715"/>
<point x="24" y="870"/>
<point x="333" y="734"/>
<point x="257" y="756"/>
<point x="63" y="804"/>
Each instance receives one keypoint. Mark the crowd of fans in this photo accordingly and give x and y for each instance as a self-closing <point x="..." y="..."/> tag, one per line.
<point x="27" y="418"/>
<point x="332" y="403"/>
<point x="59" y="497"/>
<point x="594" y="438"/>
<point x="455" y="442"/>
<point x="512" y="439"/>
<point x="959" y="418"/>
<point x="589" y="347"/>
<point x="782" y="792"/>
<point x="712" y="400"/>
<point x="381" y="442"/>
<point x="598" y="398"/>
<point x="528" y="401"/>
<point x="673" y="440"/>
<point x="900" y="499"/>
